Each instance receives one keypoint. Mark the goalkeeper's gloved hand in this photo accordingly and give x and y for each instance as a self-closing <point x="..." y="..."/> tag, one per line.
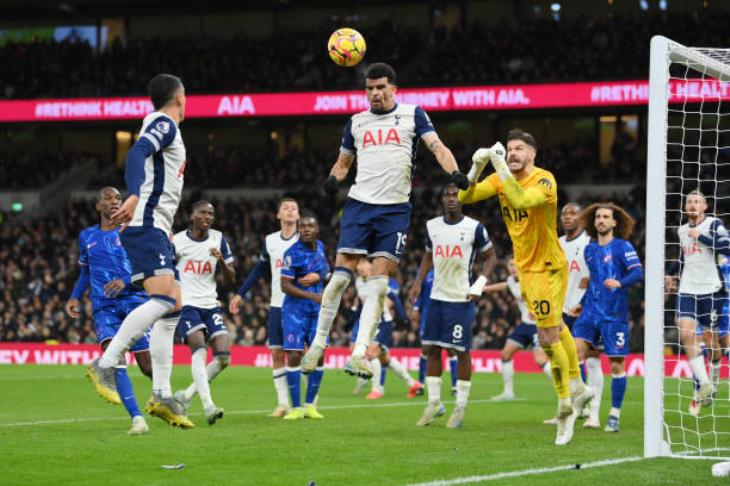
<point x="331" y="186"/>
<point x="477" y="288"/>
<point x="479" y="161"/>
<point x="460" y="180"/>
<point x="496" y="157"/>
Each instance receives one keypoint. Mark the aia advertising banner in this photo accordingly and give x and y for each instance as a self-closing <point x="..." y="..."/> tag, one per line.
<point x="259" y="356"/>
<point x="455" y="99"/>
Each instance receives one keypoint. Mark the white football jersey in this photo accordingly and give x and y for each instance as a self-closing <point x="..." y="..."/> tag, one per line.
<point x="162" y="183"/>
<point x="514" y="288"/>
<point x="197" y="267"/>
<point x="274" y="248"/>
<point x="454" y="248"/>
<point x="362" y="294"/>
<point x="700" y="275"/>
<point x="577" y="268"/>
<point x="385" y="145"/>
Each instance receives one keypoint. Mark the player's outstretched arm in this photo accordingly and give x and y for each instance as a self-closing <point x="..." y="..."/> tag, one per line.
<point x="446" y="159"/>
<point x="338" y="173"/>
<point x="495" y="287"/>
<point x="518" y="197"/>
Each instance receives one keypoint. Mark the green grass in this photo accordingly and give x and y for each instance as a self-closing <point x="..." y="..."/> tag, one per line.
<point x="357" y="443"/>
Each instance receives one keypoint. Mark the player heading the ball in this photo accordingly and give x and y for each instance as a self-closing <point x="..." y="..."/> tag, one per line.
<point x="377" y="213"/>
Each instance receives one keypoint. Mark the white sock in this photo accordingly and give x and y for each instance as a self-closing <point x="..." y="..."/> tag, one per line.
<point x="433" y="385"/>
<point x="133" y="327"/>
<point x="546" y="370"/>
<point x="698" y="368"/>
<point x="281" y="386"/>
<point x="616" y="412"/>
<point x="161" y="342"/>
<point x="595" y="378"/>
<point x="401" y="372"/>
<point x="462" y="392"/>
<point x="576" y="385"/>
<point x="331" y="298"/>
<point x="508" y="377"/>
<point x="200" y="376"/>
<point x="372" y="309"/>
<point x="376" y="368"/>
<point x="217" y="364"/>
<point x="715" y="373"/>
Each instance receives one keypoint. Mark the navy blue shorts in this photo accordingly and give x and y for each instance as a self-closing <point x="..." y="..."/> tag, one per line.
<point x="569" y="321"/>
<point x="108" y="319"/>
<point x="525" y="335"/>
<point x="374" y="229"/>
<point x="613" y="336"/>
<point x="384" y="335"/>
<point x="299" y="330"/>
<point x="192" y="319"/>
<point x="708" y="311"/>
<point x="448" y="324"/>
<point x="150" y="252"/>
<point x="276" y="334"/>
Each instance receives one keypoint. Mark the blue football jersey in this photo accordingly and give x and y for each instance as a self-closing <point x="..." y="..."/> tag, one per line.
<point x="300" y="260"/>
<point x="422" y="302"/>
<point x="616" y="260"/>
<point x="724" y="265"/>
<point x="103" y="255"/>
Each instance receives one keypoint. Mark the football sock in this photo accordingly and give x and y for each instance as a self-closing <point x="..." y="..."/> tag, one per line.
<point x="331" y="298"/>
<point x="134" y="326"/>
<point x="126" y="392"/>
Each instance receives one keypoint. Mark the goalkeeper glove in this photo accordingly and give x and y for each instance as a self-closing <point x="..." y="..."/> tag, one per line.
<point x="477" y="287"/>
<point x="496" y="157"/>
<point x="460" y="180"/>
<point x="479" y="161"/>
<point x="331" y="186"/>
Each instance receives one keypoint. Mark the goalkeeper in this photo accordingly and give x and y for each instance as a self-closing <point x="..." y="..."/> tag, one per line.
<point x="528" y="200"/>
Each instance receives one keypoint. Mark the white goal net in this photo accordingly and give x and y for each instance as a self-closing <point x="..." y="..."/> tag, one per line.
<point x="688" y="150"/>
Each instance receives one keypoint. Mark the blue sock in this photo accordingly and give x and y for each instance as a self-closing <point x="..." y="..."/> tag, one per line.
<point x="383" y="371"/>
<point x="294" y="380"/>
<point x="618" y="390"/>
<point x="583" y="375"/>
<point x="314" y="380"/>
<point x="453" y="366"/>
<point x="126" y="392"/>
<point x="422" y="364"/>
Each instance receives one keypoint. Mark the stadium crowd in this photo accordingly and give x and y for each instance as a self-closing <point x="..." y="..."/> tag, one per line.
<point x="38" y="267"/>
<point x="528" y="50"/>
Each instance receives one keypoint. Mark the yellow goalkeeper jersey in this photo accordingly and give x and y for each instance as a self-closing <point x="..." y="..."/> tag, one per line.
<point x="529" y="208"/>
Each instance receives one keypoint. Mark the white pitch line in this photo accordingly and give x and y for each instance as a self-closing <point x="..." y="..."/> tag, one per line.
<point x="527" y="472"/>
<point x="414" y="403"/>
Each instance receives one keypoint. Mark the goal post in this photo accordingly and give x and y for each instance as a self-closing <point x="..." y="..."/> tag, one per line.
<point x="688" y="148"/>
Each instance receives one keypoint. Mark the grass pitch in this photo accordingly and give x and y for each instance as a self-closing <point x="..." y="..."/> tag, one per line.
<point x="55" y="430"/>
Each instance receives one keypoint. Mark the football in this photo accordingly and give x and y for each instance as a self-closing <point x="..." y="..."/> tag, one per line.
<point x="346" y="47"/>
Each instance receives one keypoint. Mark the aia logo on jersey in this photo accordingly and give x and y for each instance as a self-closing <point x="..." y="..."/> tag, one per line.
<point x="279" y="263"/>
<point x="692" y="249"/>
<point x="198" y="267"/>
<point x="448" y="251"/>
<point x="573" y="266"/>
<point x="377" y="137"/>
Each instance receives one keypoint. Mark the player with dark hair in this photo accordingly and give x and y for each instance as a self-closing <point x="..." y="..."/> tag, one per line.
<point x="453" y="242"/>
<point x="200" y="251"/>
<point x="528" y="199"/>
<point x="614" y="266"/>
<point x="302" y="279"/>
<point x="270" y="264"/>
<point x="154" y="172"/>
<point x="377" y="213"/>
<point x="106" y="270"/>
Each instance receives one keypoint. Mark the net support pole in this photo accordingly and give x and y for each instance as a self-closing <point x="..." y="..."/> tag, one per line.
<point x="655" y="240"/>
